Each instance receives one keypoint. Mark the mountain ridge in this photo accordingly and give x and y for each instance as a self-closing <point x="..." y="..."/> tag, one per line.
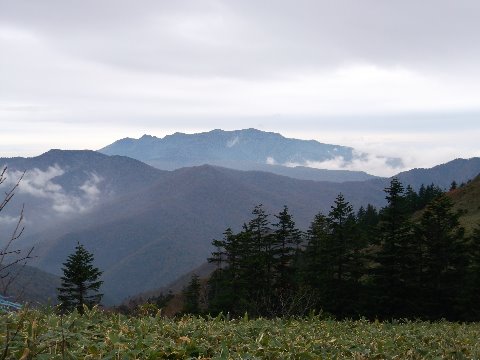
<point x="149" y="226"/>
<point x="247" y="149"/>
<point x="146" y="239"/>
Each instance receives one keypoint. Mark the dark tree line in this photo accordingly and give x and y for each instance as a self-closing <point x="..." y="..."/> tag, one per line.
<point x="410" y="259"/>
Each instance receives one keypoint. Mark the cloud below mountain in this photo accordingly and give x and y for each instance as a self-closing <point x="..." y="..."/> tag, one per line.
<point x="372" y="164"/>
<point x="41" y="184"/>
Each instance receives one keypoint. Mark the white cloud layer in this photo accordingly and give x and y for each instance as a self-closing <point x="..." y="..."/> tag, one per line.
<point x="370" y="163"/>
<point x="41" y="184"/>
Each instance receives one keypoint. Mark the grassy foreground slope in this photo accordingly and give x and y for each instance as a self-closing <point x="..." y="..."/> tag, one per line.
<point x="111" y="336"/>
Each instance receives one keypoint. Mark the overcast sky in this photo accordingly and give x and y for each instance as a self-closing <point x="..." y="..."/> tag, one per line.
<point x="396" y="78"/>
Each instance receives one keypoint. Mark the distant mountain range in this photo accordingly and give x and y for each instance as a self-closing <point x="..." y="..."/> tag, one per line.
<point x="151" y="231"/>
<point x="146" y="226"/>
<point x="248" y="149"/>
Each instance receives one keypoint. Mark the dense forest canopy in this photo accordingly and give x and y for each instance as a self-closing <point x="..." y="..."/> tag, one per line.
<point x="409" y="259"/>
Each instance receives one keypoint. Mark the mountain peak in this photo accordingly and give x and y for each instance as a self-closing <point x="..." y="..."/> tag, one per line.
<point x="240" y="149"/>
<point x="58" y="153"/>
<point x="147" y="137"/>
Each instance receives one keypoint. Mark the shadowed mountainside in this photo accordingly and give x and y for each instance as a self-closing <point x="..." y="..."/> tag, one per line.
<point x="146" y="226"/>
<point x="466" y="199"/>
<point x="60" y="185"/>
<point x="30" y="285"/>
<point x="145" y="239"/>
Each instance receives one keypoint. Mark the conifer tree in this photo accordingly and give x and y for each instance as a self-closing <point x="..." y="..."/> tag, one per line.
<point x="257" y="265"/>
<point x="341" y="222"/>
<point x="367" y="221"/>
<point x="245" y="282"/>
<point x="331" y="258"/>
<point x="453" y="185"/>
<point x="427" y="194"/>
<point x="470" y="305"/>
<point x="316" y="267"/>
<point x="345" y="252"/>
<point x="443" y="258"/>
<point x="412" y="199"/>
<point x="80" y="281"/>
<point x="224" y="286"/>
<point x="396" y="255"/>
<point x="191" y="295"/>
<point x="286" y="242"/>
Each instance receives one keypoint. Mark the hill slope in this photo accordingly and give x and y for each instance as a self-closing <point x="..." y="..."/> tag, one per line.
<point x="146" y="239"/>
<point x="30" y="284"/>
<point x="146" y="226"/>
<point x="467" y="199"/>
<point x="460" y="170"/>
<point x="60" y="185"/>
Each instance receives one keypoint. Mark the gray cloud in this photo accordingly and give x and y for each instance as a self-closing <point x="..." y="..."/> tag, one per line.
<point x="81" y="74"/>
<point x="8" y="220"/>
<point x="243" y="38"/>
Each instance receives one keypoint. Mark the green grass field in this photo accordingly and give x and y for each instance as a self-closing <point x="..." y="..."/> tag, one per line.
<point x="97" y="335"/>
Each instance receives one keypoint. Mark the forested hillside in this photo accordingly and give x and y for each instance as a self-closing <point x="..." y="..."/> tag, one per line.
<point x="148" y="227"/>
<point x="412" y="259"/>
<point x="145" y="240"/>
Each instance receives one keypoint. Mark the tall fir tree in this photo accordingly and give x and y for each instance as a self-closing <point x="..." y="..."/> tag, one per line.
<point x="257" y="266"/>
<point x="245" y="282"/>
<point x="345" y="246"/>
<point x="191" y="296"/>
<point x="80" y="282"/>
<point x="286" y="245"/>
<point x="331" y="262"/>
<point x="412" y="199"/>
<point x="396" y="256"/>
<point x="443" y="261"/>
<point x="224" y="286"/>
<point x="315" y="270"/>
<point x="367" y="222"/>
<point x="470" y="305"/>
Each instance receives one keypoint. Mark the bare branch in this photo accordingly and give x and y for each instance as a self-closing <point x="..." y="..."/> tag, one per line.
<point x="17" y="232"/>
<point x="12" y="278"/>
<point x="11" y="257"/>
<point x="9" y="194"/>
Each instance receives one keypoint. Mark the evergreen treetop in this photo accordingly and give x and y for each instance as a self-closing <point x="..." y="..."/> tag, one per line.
<point x="80" y="281"/>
